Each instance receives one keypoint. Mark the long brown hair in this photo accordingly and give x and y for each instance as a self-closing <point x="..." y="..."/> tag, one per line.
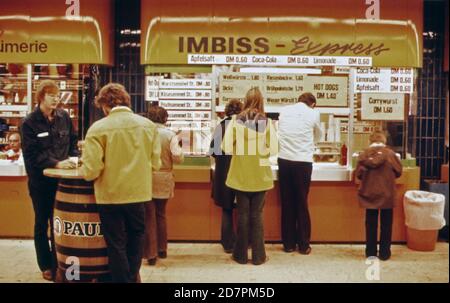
<point x="254" y="103"/>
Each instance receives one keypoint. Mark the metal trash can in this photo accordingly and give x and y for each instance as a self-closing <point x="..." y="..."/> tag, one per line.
<point x="424" y="217"/>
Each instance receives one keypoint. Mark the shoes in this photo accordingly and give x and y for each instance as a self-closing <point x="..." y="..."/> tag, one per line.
<point x="47" y="275"/>
<point x="228" y="251"/>
<point x="152" y="261"/>
<point x="237" y="261"/>
<point x="289" y="250"/>
<point x="305" y="252"/>
<point x="385" y="257"/>
<point x="162" y="254"/>
<point x="260" y="263"/>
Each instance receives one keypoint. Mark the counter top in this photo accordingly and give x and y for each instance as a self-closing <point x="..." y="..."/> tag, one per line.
<point x="63" y="173"/>
<point x="321" y="172"/>
<point x="9" y="168"/>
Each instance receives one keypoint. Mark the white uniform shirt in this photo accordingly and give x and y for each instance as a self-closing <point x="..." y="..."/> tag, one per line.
<point x="299" y="128"/>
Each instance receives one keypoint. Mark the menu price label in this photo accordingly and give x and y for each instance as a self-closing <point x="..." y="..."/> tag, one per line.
<point x="174" y="124"/>
<point x="268" y="60"/>
<point x="385" y="107"/>
<point x="185" y="94"/>
<point x="189" y="115"/>
<point x="152" y="88"/>
<point x="183" y="105"/>
<point x="384" y="80"/>
<point x="359" y="127"/>
<point x="329" y="91"/>
<point x="185" y="84"/>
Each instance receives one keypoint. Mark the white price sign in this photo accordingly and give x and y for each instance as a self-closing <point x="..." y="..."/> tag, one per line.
<point x="384" y="80"/>
<point x="386" y="107"/>
<point x="189" y="115"/>
<point x="185" y="94"/>
<point x="185" y="84"/>
<point x="183" y="105"/>
<point x="152" y="88"/>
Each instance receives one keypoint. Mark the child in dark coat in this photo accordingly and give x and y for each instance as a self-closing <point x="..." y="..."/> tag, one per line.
<point x="378" y="167"/>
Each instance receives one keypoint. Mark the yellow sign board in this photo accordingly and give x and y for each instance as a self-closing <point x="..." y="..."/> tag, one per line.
<point x="171" y="31"/>
<point x="55" y="32"/>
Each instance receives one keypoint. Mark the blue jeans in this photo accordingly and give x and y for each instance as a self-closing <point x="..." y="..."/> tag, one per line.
<point x="250" y="224"/>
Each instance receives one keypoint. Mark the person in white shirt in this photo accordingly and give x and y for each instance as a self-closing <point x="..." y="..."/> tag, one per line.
<point x="13" y="151"/>
<point x="299" y="129"/>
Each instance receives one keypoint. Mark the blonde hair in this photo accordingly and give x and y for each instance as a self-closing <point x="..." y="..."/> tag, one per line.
<point x="377" y="137"/>
<point x="254" y="101"/>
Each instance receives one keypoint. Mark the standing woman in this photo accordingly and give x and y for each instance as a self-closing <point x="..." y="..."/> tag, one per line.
<point x="223" y="195"/>
<point x="163" y="188"/>
<point x="251" y="138"/>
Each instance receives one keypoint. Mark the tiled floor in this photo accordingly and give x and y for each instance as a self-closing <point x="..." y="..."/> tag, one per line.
<point x="207" y="263"/>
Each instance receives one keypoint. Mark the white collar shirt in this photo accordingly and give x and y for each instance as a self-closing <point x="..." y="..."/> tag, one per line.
<point x="298" y="129"/>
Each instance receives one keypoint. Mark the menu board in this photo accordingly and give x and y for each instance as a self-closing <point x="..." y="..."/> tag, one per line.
<point x="236" y="85"/>
<point x="359" y="127"/>
<point x="384" y="80"/>
<point x="329" y="91"/>
<point x="386" y="107"/>
<point x="282" y="89"/>
<point x="188" y="103"/>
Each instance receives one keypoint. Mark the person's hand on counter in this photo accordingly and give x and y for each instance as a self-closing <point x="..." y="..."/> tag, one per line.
<point x="66" y="164"/>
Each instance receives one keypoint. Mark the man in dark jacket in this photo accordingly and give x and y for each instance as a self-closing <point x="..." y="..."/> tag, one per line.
<point x="378" y="167"/>
<point x="48" y="139"/>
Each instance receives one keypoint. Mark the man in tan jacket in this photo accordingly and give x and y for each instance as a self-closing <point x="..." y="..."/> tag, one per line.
<point x="120" y="153"/>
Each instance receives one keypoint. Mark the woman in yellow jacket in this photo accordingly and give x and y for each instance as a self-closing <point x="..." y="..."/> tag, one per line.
<point x="251" y="139"/>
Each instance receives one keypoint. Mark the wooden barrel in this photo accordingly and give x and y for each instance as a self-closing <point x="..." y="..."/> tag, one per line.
<point x="78" y="236"/>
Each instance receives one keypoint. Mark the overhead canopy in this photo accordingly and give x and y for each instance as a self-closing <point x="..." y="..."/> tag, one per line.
<point x="173" y="29"/>
<point x="40" y="32"/>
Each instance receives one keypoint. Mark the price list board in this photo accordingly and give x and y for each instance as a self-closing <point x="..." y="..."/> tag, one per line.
<point x="188" y="103"/>
<point x="384" y="80"/>
<point x="185" y="99"/>
<point x="284" y="89"/>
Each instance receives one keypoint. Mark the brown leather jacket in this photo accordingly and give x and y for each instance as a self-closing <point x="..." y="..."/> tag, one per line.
<point x="378" y="167"/>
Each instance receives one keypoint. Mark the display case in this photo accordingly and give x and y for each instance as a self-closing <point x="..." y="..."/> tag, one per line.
<point x="14" y="98"/>
<point x="18" y="85"/>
